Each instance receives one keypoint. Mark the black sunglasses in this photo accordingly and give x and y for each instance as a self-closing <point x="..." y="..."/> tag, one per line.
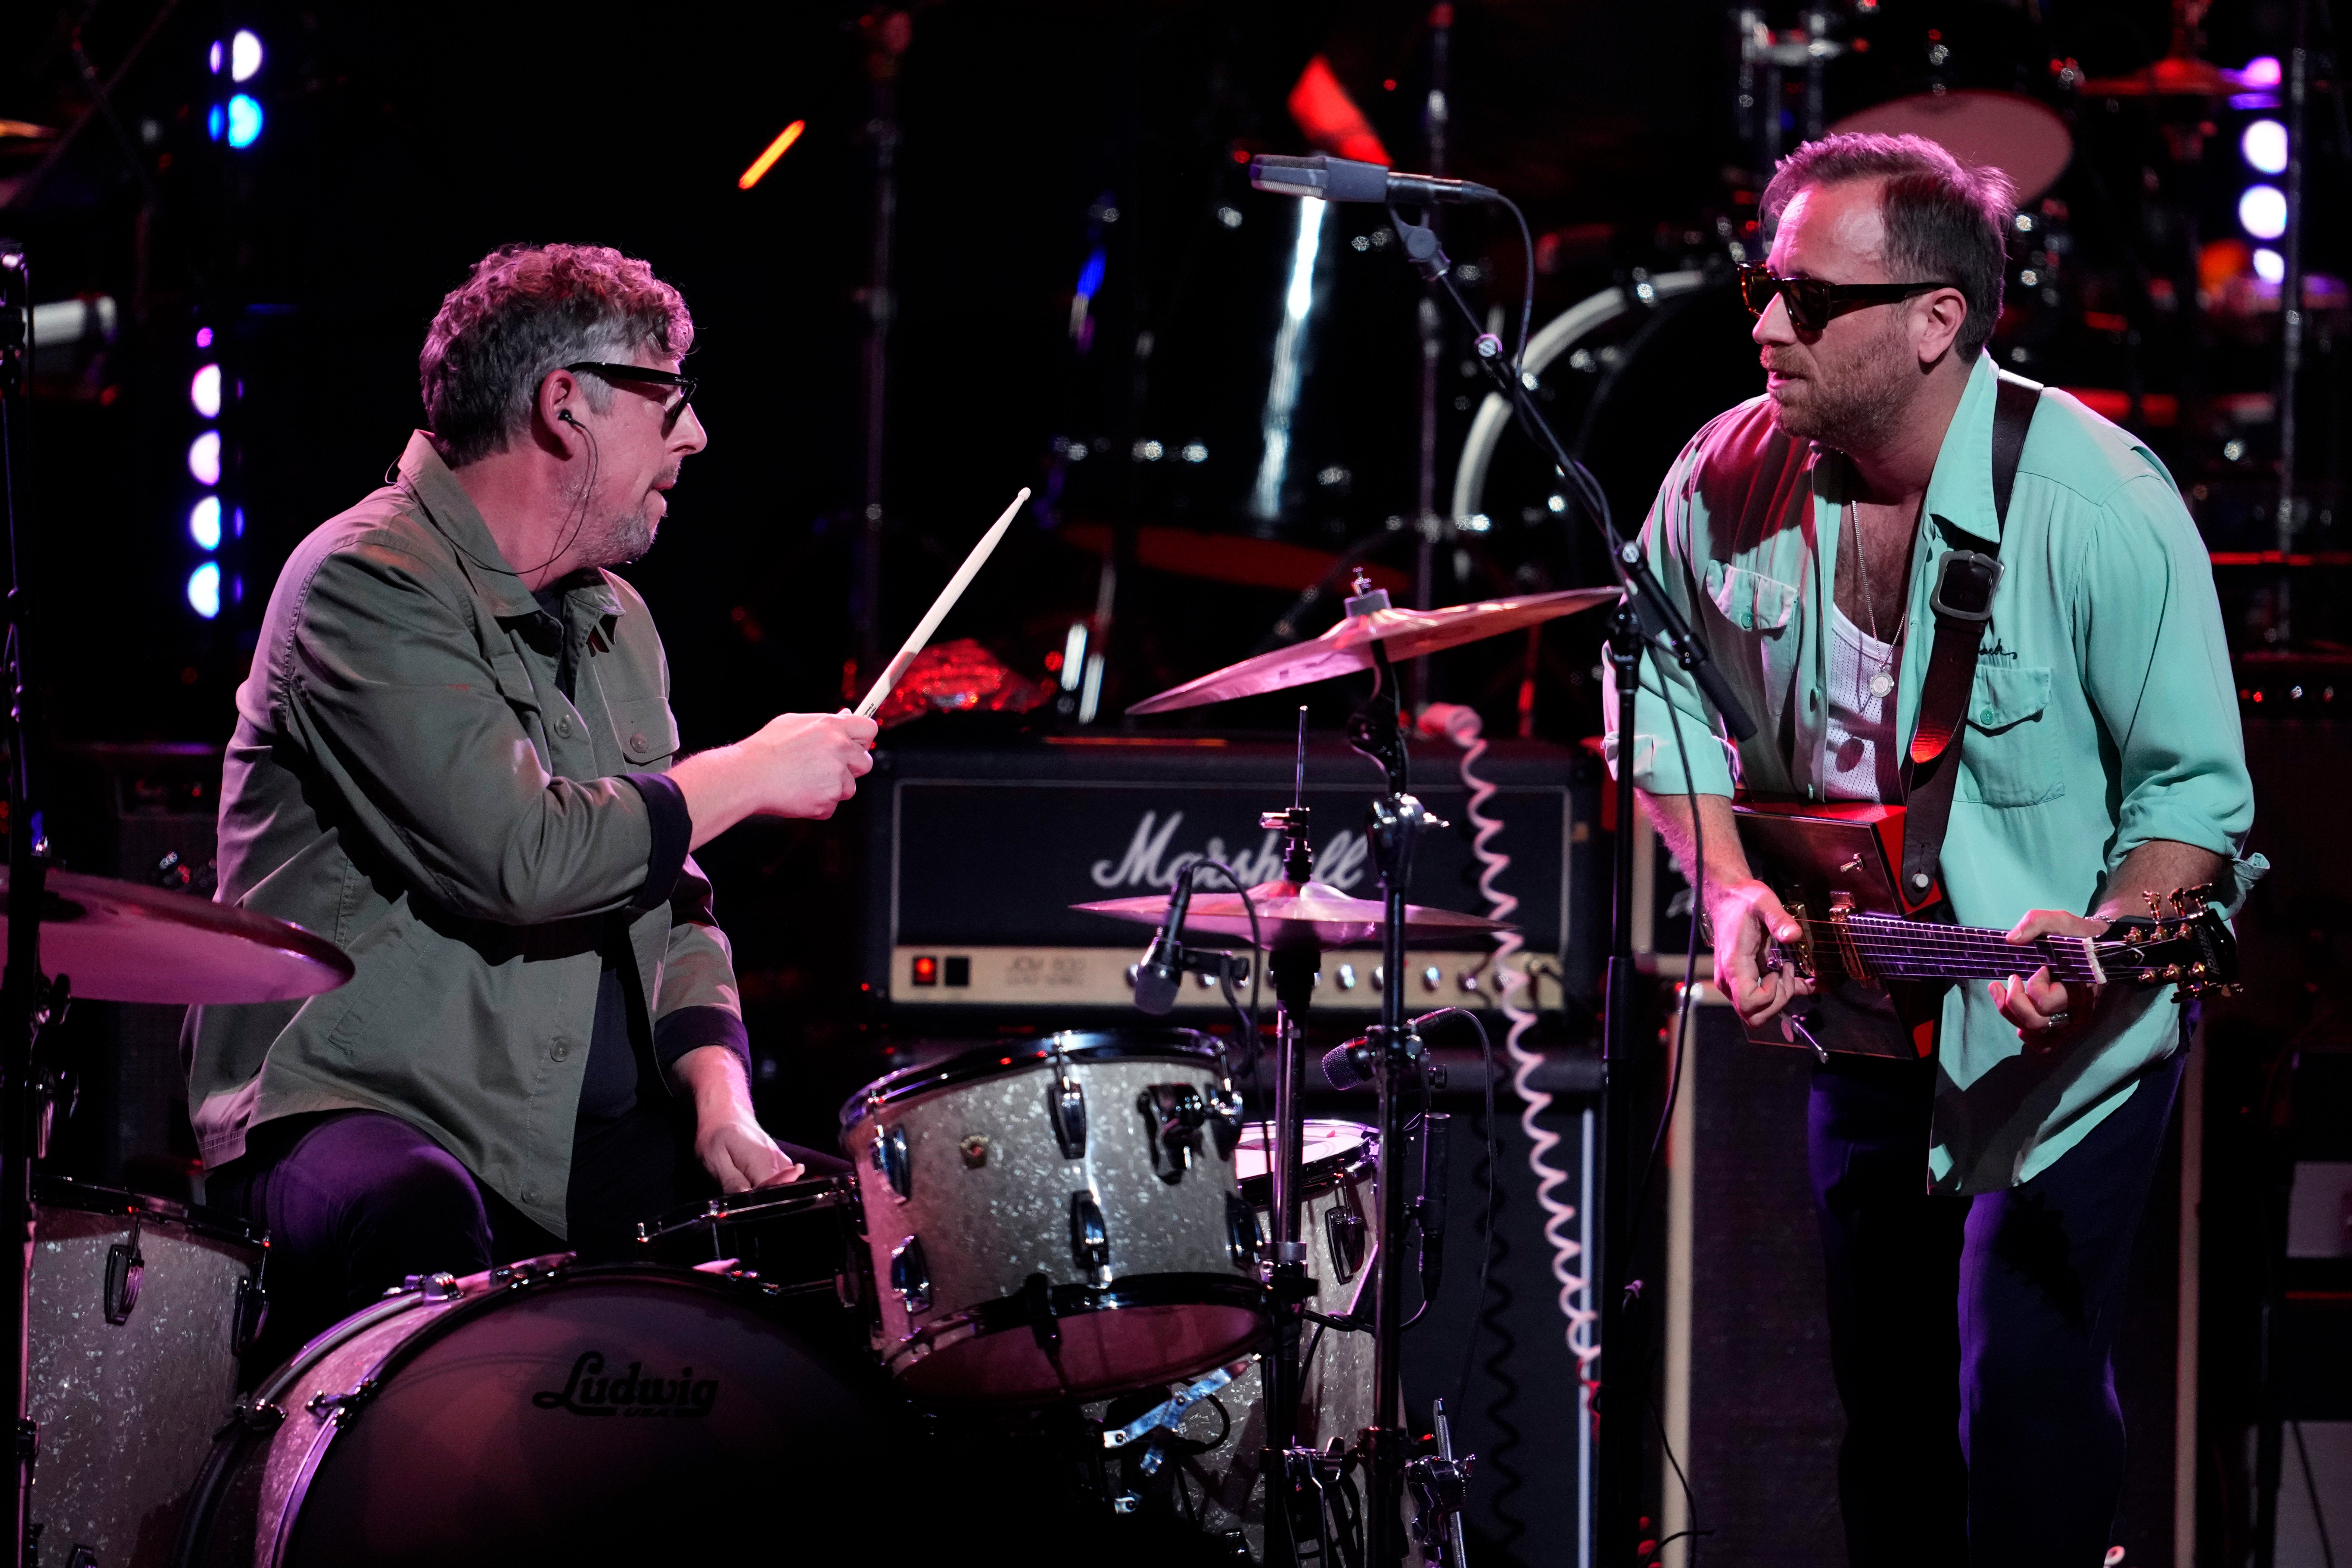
<point x="1812" y="302"/>
<point x="671" y="408"/>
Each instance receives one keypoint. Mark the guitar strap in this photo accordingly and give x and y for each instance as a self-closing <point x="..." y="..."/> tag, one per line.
<point x="1962" y="602"/>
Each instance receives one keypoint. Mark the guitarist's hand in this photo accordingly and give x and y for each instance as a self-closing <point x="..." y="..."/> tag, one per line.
<point x="1746" y="916"/>
<point x="2048" y="1015"/>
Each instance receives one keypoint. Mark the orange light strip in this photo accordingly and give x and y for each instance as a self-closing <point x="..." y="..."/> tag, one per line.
<point x="776" y="149"/>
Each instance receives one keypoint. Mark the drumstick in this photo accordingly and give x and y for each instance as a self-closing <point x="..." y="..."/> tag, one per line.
<point x="939" y="608"/>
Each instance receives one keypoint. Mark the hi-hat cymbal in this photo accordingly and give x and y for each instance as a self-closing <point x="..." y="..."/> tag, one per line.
<point x="1347" y="648"/>
<point x="118" y="941"/>
<point x="1296" y="914"/>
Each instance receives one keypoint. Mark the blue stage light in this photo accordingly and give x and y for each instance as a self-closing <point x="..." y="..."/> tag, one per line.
<point x="204" y="590"/>
<point x="244" y="120"/>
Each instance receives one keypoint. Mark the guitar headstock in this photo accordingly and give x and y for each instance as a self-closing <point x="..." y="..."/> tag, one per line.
<point x="2186" y="943"/>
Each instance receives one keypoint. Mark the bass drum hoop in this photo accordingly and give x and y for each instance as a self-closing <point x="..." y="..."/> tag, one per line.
<point x="257" y="1419"/>
<point x="1187" y="1047"/>
<point x="1559" y="335"/>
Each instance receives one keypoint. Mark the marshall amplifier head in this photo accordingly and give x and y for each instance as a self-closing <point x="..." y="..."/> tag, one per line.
<point x="975" y="856"/>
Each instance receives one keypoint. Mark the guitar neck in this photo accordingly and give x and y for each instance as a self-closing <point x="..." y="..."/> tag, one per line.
<point x="1898" y="948"/>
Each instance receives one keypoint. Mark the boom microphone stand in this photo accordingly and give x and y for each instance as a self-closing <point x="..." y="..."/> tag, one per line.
<point x="1645" y="615"/>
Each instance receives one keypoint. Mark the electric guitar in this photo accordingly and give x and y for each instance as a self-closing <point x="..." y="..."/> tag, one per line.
<point x="1881" y="963"/>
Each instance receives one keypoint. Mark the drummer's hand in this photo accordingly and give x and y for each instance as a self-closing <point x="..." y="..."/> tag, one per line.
<point x="796" y="764"/>
<point x="728" y="1139"/>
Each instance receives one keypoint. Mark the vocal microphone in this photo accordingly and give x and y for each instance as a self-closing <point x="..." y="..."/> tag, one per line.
<point x="1346" y="180"/>
<point x="1160" y="976"/>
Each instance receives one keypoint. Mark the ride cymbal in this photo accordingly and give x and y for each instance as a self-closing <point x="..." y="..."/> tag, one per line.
<point x="1347" y="648"/>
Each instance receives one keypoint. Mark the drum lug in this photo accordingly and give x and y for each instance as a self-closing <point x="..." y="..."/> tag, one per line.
<point x="1065" y="1106"/>
<point x="1089" y="1237"/>
<point x="252" y="1312"/>
<point x="337" y="1409"/>
<point x="910" y="1276"/>
<point x="893" y="1164"/>
<point x="1173" y="1115"/>
<point x="1226" y="1121"/>
<point x="1343" y="1224"/>
<point x="125" y="1269"/>
<point x="1240" y="1231"/>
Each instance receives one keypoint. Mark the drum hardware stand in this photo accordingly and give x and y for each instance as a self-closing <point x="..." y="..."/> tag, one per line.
<point x="26" y="1000"/>
<point x="1644" y="615"/>
<point x="1809" y="51"/>
<point x="1439" y="1481"/>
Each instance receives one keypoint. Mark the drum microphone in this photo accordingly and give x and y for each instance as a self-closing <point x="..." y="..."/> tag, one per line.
<point x="1160" y="974"/>
<point x="1346" y="180"/>
<point x="1348" y="1066"/>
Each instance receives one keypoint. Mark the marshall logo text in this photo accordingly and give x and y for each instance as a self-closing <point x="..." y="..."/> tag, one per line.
<point x="591" y="1392"/>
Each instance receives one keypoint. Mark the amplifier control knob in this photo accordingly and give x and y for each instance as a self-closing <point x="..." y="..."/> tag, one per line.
<point x="1346" y="977"/>
<point x="1470" y="980"/>
<point x="1431" y="977"/>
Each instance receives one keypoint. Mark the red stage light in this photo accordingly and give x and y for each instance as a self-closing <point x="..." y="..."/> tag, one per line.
<point x="926" y="970"/>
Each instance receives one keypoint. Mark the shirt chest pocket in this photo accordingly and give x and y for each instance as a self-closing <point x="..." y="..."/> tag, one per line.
<point x="646" y="730"/>
<point x="2009" y="756"/>
<point x="1749" y="600"/>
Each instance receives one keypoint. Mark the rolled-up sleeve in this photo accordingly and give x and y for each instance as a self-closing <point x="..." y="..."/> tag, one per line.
<point x="1668" y="700"/>
<point x="699" y="1003"/>
<point x="386" y="685"/>
<point x="2150" y="644"/>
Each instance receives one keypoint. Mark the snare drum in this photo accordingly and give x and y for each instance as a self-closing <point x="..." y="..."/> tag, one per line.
<point x="139" y="1309"/>
<point x="1057" y="1218"/>
<point x="542" y="1412"/>
<point x="1214" y="1459"/>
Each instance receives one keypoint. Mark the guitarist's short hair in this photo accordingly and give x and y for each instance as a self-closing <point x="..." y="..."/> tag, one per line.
<point x="1944" y="220"/>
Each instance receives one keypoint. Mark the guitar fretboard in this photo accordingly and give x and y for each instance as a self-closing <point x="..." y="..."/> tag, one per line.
<point x="1896" y="949"/>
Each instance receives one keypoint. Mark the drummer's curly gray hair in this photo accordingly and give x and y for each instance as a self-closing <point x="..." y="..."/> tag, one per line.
<point x="1944" y="220"/>
<point x="528" y="310"/>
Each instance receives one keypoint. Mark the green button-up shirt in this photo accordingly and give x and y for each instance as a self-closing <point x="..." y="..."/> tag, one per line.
<point x="408" y="779"/>
<point x="2103" y="714"/>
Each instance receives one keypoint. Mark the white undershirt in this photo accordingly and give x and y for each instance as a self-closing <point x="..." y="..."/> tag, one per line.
<point x="1861" y="760"/>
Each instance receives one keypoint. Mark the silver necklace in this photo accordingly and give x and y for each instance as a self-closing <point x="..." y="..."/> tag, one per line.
<point x="1882" y="680"/>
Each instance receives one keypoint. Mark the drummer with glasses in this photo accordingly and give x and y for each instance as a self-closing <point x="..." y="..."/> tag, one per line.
<point x="455" y="757"/>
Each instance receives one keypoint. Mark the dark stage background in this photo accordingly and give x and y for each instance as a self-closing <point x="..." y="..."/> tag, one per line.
<point x="1080" y="264"/>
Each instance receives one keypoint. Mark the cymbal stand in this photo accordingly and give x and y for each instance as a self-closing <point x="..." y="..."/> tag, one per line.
<point x="1647" y="616"/>
<point x="1295" y="1493"/>
<point x="25" y="997"/>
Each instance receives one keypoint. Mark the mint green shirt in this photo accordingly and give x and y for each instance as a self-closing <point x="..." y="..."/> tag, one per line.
<point x="2103" y="714"/>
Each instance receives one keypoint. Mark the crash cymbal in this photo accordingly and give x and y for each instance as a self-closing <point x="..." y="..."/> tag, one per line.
<point x="118" y="941"/>
<point x="1295" y="914"/>
<point x="1347" y="648"/>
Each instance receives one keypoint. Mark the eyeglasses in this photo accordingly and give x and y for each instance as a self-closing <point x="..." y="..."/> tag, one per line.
<point x="1812" y="302"/>
<point x="671" y="407"/>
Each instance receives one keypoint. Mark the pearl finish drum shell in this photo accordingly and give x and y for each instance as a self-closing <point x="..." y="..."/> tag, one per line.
<point x="127" y="1410"/>
<point x="1337" y="1398"/>
<point x="989" y="1200"/>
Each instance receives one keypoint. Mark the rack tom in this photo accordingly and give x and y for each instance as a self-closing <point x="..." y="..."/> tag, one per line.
<point x="1057" y="1218"/>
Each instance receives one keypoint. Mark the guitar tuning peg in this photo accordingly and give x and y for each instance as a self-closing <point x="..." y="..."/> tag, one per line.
<point x="2155" y="905"/>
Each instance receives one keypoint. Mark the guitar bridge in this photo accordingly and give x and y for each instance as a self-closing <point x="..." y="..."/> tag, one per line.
<point x="1798" y="953"/>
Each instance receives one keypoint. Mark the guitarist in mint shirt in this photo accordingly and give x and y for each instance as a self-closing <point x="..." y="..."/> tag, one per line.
<point x="1977" y="1208"/>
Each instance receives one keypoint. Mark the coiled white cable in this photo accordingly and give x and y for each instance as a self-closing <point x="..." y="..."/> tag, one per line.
<point x="1454" y="722"/>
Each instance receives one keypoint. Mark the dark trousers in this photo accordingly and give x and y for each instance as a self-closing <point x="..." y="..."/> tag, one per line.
<point x="356" y="1201"/>
<point x="1970" y="1337"/>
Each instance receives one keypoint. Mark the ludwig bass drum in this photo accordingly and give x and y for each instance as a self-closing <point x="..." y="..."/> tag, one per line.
<point x="543" y="1413"/>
